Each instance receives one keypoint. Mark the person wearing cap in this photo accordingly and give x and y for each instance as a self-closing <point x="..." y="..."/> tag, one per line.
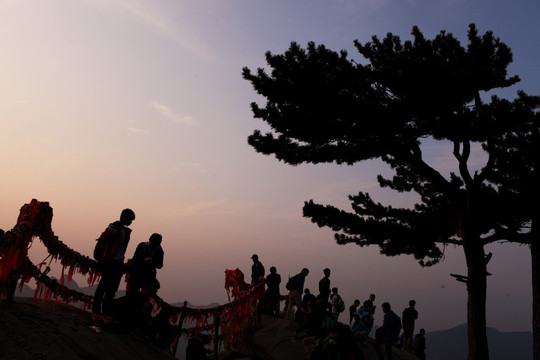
<point x="257" y="269"/>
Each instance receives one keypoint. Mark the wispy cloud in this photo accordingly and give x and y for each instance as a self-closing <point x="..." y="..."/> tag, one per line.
<point x="169" y="114"/>
<point x="136" y="130"/>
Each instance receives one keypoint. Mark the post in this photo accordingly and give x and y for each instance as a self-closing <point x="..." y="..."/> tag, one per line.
<point x="216" y="336"/>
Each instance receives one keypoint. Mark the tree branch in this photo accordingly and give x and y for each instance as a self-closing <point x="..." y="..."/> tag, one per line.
<point x="462" y="160"/>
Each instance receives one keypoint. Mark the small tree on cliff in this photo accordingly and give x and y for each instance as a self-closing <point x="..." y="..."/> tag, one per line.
<point x="323" y="107"/>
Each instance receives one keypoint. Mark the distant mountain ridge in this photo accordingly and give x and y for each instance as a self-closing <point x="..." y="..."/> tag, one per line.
<point x="451" y="344"/>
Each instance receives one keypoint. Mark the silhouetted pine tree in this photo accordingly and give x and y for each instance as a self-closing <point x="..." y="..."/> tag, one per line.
<point x="323" y="107"/>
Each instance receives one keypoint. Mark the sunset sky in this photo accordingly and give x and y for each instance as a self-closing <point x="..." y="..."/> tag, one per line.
<point x="116" y="103"/>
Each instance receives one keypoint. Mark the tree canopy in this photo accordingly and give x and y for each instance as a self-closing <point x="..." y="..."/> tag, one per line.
<point x="323" y="107"/>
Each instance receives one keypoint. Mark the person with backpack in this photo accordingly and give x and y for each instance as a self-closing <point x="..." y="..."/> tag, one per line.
<point x="338" y="305"/>
<point x="109" y="252"/>
<point x="388" y="333"/>
<point x="295" y="285"/>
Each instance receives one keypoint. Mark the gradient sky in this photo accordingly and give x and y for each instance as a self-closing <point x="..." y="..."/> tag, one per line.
<point x="115" y="103"/>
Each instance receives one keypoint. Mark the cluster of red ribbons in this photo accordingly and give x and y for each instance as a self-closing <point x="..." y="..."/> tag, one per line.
<point x="227" y="322"/>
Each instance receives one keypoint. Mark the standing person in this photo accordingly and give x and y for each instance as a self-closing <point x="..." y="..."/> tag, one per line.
<point x="387" y="333"/>
<point x="337" y="303"/>
<point x="368" y="304"/>
<point x="419" y="345"/>
<point x="148" y="257"/>
<point x="409" y="316"/>
<point x="257" y="269"/>
<point x="295" y="285"/>
<point x="110" y="252"/>
<point x="324" y="285"/>
<point x="273" y="296"/>
<point x="353" y="309"/>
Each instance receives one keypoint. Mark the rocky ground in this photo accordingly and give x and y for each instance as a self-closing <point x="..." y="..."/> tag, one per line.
<point x="57" y="331"/>
<point x="273" y="341"/>
<point x="62" y="332"/>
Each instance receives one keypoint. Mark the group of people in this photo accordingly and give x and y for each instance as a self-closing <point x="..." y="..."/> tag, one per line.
<point x="132" y="312"/>
<point x="322" y="334"/>
<point x="110" y="252"/>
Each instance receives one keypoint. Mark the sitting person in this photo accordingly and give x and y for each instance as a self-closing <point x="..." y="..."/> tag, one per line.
<point x="195" y="349"/>
<point x="419" y="345"/>
<point x="307" y="297"/>
<point x="359" y="327"/>
<point x="313" y="316"/>
<point x="134" y="312"/>
<point x="339" y="344"/>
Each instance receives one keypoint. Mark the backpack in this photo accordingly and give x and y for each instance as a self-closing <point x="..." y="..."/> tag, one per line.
<point x="340" y="305"/>
<point x="292" y="283"/>
<point x="396" y="324"/>
<point x="99" y="249"/>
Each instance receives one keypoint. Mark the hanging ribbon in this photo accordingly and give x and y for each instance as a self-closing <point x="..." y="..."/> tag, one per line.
<point x="35" y="219"/>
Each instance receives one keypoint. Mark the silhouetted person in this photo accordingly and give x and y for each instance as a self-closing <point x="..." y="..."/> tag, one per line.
<point x="115" y="240"/>
<point x="257" y="269"/>
<point x="368" y="304"/>
<point x="387" y="333"/>
<point x="195" y="348"/>
<point x="353" y="309"/>
<point x="340" y="344"/>
<point x="296" y="288"/>
<point x="273" y="296"/>
<point x="324" y="285"/>
<point x="134" y="312"/>
<point x="419" y="345"/>
<point x="148" y="257"/>
<point x="336" y="302"/>
<point x="308" y="296"/>
<point x="409" y="316"/>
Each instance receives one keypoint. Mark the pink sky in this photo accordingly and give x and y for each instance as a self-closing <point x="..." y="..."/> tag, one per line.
<point x="113" y="104"/>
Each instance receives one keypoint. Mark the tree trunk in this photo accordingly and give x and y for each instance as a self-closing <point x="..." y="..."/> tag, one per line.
<point x="476" y="303"/>
<point x="535" y="262"/>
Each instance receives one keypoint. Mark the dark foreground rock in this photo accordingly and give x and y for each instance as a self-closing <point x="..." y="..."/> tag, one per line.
<point x="273" y="341"/>
<point x="61" y="332"/>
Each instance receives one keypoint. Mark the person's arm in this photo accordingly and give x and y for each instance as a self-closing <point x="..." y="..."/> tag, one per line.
<point x="158" y="259"/>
